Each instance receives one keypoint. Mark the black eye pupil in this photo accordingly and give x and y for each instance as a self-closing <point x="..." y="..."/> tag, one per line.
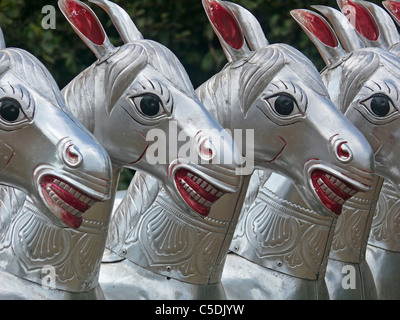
<point x="284" y="105"/>
<point x="9" y="109"/>
<point x="380" y="106"/>
<point x="150" y="105"/>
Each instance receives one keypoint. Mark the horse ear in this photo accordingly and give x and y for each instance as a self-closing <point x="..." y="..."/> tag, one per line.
<point x="394" y="9"/>
<point x="251" y="28"/>
<point x="321" y="34"/>
<point x="2" y="41"/>
<point x="387" y="27"/>
<point x="363" y="21"/>
<point x="86" y="24"/>
<point x="121" y="20"/>
<point x="227" y="29"/>
<point x="344" y="30"/>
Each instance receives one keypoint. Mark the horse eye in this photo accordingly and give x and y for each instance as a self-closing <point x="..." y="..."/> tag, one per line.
<point x="149" y="104"/>
<point x="10" y="110"/>
<point x="380" y="105"/>
<point x="283" y="105"/>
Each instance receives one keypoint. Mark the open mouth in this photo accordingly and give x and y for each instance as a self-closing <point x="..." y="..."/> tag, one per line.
<point x="332" y="191"/>
<point x="65" y="201"/>
<point x="199" y="194"/>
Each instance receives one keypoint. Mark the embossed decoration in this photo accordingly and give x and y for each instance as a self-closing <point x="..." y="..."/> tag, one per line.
<point x="274" y="90"/>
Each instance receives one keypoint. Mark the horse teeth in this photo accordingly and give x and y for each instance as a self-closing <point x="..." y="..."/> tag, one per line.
<point x="204" y="184"/>
<point x="57" y="182"/>
<point x="220" y="194"/>
<point x="347" y="190"/>
<point x="208" y="204"/>
<point x="214" y="191"/>
<point x="192" y="194"/>
<point x="190" y="175"/>
<point x="197" y="197"/>
<point x="202" y="200"/>
<point x="209" y="188"/>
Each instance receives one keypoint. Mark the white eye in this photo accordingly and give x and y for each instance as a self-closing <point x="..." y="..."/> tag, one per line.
<point x="10" y="110"/>
<point x="380" y="105"/>
<point x="149" y="105"/>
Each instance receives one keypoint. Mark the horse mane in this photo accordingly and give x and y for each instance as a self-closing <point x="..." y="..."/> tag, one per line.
<point x="370" y="59"/>
<point x="32" y="72"/>
<point x="117" y="75"/>
<point x="254" y="72"/>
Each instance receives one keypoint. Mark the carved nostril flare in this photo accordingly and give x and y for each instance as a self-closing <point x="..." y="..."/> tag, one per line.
<point x="206" y="149"/>
<point x="72" y="156"/>
<point x="344" y="152"/>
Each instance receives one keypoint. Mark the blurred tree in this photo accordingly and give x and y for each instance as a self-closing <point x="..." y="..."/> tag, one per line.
<point x="182" y="26"/>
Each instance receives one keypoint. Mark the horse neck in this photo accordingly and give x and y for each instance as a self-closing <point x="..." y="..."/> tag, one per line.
<point x="280" y="233"/>
<point x="385" y="225"/>
<point x="152" y="232"/>
<point x="34" y="243"/>
<point x="354" y="225"/>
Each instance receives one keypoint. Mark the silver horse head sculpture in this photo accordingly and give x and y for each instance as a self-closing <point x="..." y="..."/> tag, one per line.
<point x="383" y="251"/>
<point x="125" y="94"/>
<point x="159" y="251"/>
<point x="139" y="92"/>
<point x="50" y="157"/>
<point x="367" y="96"/>
<point x="37" y="126"/>
<point x="375" y="28"/>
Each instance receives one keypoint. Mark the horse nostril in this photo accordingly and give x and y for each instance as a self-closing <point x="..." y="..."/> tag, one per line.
<point x="207" y="151"/>
<point x="72" y="156"/>
<point x="344" y="152"/>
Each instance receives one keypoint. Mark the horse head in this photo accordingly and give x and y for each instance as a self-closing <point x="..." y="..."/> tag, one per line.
<point x="277" y="91"/>
<point x="138" y="101"/>
<point x="45" y="152"/>
<point x="362" y="76"/>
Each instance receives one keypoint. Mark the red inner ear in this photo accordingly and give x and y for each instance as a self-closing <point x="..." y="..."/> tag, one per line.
<point x="82" y="17"/>
<point x="361" y="19"/>
<point x="225" y="23"/>
<point x="317" y="26"/>
<point x="393" y="7"/>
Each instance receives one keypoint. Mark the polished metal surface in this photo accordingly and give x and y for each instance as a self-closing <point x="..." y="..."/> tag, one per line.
<point x="153" y="237"/>
<point x="106" y="98"/>
<point x="48" y="155"/>
<point x="283" y="242"/>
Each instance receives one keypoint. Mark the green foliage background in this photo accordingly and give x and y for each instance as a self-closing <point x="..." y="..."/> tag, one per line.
<point x="180" y="25"/>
